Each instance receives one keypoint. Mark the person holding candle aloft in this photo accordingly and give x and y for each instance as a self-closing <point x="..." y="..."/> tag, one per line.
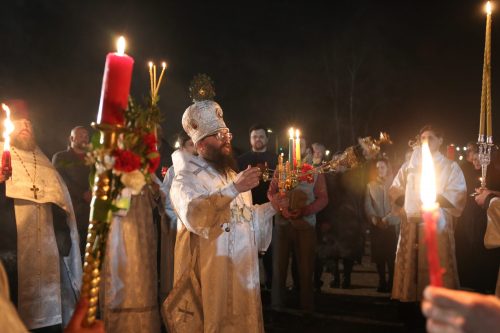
<point x="294" y="234"/>
<point x="38" y="234"/>
<point x="411" y="272"/>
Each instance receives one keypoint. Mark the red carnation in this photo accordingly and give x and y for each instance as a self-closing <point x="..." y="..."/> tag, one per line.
<point x="126" y="161"/>
<point x="154" y="163"/>
<point x="307" y="175"/>
<point x="150" y="141"/>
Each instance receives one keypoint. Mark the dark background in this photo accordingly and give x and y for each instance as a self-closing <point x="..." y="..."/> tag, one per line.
<point x="336" y="69"/>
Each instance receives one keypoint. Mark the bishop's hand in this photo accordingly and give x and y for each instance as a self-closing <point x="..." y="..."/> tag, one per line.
<point x="247" y="179"/>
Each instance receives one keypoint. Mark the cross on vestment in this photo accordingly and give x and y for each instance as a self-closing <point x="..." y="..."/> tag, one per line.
<point x="186" y="311"/>
<point x="34" y="189"/>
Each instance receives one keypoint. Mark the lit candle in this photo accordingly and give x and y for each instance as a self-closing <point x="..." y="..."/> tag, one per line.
<point x="163" y="67"/>
<point x="115" y="86"/>
<point x="8" y="129"/>
<point x="486" y="88"/>
<point x="151" y="77"/>
<point x="430" y="215"/>
<point x="297" y="148"/>
<point x="489" y="132"/>
<point x="291" y="145"/>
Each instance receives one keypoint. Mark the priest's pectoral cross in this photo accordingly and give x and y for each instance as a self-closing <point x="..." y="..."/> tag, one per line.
<point x="186" y="311"/>
<point x="35" y="189"/>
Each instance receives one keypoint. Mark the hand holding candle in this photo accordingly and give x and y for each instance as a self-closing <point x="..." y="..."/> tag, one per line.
<point x="430" y="215"/>
<point x="8" y="129"/>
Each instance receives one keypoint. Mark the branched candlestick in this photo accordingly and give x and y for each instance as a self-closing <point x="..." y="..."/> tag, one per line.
<point x="367" y="148"/>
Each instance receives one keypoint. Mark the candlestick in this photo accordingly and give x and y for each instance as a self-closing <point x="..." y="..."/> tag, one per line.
<point x="115" y="86"/>
<point x="114" y="100"/>
<point x="8" y="129"/>
<point x="291" y="146"/>
<point x="297" y="149"/>
<point x="430" y="215"/>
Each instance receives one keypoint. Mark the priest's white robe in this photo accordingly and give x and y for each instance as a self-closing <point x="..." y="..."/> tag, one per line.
<point x="207" y="203"/>
<point x="130" y="292"/>
<point x="411" y="273"/>
<point x="48" y="285"/>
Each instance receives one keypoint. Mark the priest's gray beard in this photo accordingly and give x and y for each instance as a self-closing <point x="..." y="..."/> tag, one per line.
<point x="28" y="144"/>
<point x="221" y="161"/>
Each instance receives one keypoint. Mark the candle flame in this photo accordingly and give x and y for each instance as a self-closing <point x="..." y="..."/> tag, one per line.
<point x="150" y="64"/>
<point x="297" y="134"/>
<point x="488" y="7"/>
<point x="290" y="132"/>
<point x="9" y="128"/>
<point x="427" y="179"/>
<point x="164" y="64"/>
<point x="120" y="45"/>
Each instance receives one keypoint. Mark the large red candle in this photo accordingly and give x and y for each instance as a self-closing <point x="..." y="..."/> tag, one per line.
<point x="115" y="86"/>
<point x="430" y="215"/>
<point x="430" y="218"/>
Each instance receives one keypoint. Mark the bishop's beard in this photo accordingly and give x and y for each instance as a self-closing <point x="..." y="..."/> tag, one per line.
<point x="222" y="162"/>
<point x="26" y="143"/>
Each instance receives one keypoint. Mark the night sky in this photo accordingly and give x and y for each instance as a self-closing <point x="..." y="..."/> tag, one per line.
<point x="395" y="65"/>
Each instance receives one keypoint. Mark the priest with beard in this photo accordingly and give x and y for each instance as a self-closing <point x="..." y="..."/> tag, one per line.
<point x="38" y="235"/>
<point x="220" y="231"/>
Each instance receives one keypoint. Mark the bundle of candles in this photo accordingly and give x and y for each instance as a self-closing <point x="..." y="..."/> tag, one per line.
<point x="291" y="172"/>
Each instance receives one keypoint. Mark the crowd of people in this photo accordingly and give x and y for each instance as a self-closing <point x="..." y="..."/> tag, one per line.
<point x="187" y="252"/>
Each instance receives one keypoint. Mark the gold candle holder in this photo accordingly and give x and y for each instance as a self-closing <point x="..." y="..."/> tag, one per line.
<point x="100" y="220"/>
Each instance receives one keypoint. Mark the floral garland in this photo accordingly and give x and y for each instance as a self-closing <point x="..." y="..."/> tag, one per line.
<point x="135" y="158"/>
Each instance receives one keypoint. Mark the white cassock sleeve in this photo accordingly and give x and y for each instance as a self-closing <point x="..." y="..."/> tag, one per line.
<point x="199" y="208"/>
<point x="455" y="190"/>
<point x="263" y="224"/>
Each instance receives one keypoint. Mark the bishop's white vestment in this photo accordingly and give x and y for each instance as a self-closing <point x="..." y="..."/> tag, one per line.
<point x="227" y="231"/>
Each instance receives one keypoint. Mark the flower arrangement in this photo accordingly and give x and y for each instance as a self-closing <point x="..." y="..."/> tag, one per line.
<point x="306" y="173"/>
<point x="136" y="155"/>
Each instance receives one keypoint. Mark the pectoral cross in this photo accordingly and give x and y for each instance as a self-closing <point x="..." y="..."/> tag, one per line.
<point x="34" y="189"/>
<point x="186" y="312"/>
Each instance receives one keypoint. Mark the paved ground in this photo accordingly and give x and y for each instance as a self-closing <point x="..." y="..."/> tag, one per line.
<point x="358" y="309"/>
